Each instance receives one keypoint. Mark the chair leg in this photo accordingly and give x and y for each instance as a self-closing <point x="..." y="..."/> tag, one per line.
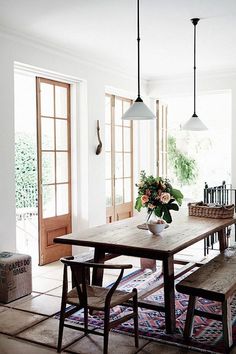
<point x="204" y="247"/>
<point x="212" y="241"/>
<point x="188" y="328"/>
<point x="208" y="244"/>
<point x="106" y="330"/>
<point x="61" y="324"/>
<point x="227" y="324"/>
<point x="135" y="310"/>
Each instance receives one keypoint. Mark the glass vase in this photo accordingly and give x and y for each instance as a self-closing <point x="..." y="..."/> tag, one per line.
<point x="151" y="217"/>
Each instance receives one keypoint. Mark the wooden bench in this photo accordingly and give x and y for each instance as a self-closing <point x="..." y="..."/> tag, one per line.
<point x="215" y="280"/>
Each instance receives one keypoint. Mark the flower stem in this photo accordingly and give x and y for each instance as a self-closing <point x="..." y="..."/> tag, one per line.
<point x="149" y="215"/>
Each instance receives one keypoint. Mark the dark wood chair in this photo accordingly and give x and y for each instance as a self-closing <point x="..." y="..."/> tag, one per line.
<point x="90" y="298"/>
<point x="224" y="195"/>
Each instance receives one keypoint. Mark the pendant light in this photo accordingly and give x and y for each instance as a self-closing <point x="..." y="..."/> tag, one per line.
<point x="138" y="110"/>
<point x="194" y="123"/>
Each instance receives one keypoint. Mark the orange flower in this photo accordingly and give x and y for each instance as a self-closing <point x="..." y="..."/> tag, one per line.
<point x="144" y="199"/>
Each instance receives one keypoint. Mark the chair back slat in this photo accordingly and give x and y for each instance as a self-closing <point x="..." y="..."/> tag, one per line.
<point x="78" y="273"/>
<point x="223" y="195"/>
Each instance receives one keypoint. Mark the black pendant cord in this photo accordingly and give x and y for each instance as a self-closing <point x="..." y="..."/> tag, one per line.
<point x="138" y="42"/>
<point x="195" y="22"/>
<point x="194" y="71"/>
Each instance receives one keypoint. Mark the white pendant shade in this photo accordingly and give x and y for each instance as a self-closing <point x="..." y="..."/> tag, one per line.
<point x="194" y="123"/>
<point x="138" y="111"/>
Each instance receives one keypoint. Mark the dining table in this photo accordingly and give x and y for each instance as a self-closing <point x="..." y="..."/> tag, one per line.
<point x="124" y="237"/>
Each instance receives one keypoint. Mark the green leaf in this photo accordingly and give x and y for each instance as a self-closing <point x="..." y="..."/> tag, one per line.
<point x="177" y="195"/>
<point x="167" y="216"/>
<point x="138" y="204"/>
<point x="158" y="211"/>
<point x="173" y="206"/>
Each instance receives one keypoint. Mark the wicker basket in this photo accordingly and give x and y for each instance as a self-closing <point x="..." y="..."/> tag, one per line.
<point x="208" y="211"/>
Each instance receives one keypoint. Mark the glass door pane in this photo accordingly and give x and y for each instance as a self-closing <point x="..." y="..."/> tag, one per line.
<point x="62" y="167"/>
<point x="49" y="201"/>
<point x="62" y="199"/>
<point x="47" y="99"/>
<point x="118" y="159"/>
<point x="61" y="134"/>
<point x="127" y="190"/>
<point x="61" y="101"/>
<point x="119" y="191"/>
<point x="118" y="139"/>
<point x="47" y="133"/>
<point x="118" y="111"/>
<point x="48" y="167"/>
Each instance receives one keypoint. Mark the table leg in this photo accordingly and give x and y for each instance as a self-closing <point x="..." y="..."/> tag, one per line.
<point x="99" y="257"/>
<point x="169" y="294"/>
<point x="222" y="239"/>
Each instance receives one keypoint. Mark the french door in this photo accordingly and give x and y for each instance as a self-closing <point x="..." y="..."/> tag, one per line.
<point x="119" y="159"/>
<point x="54" y="167"/>
<point x="161" y="134"/>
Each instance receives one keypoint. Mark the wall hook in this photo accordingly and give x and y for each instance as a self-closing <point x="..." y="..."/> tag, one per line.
<point x="99" y="147"/>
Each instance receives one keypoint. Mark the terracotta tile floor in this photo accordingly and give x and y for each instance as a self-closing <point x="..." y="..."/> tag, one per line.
<point x="27" y="325"/>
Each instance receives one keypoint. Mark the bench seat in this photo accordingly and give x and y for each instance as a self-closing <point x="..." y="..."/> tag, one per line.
<point x="215" y="280"/>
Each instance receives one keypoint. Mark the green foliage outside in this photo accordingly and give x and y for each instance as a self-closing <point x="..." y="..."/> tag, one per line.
<point x="25" y="171"/>
<point x="184" y="168"/>
<point x="26" y="175"/>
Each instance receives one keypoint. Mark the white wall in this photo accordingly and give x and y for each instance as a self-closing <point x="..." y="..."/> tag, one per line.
<point x="206" y="83"/>
<point x="90" y="108"/>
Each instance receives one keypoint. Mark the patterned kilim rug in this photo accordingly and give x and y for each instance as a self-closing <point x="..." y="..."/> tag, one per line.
<point x="207" y="335"/>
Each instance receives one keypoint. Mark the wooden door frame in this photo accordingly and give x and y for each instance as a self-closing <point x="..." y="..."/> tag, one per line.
<point x="39" y="80"/>
<point x="113" y="208"/>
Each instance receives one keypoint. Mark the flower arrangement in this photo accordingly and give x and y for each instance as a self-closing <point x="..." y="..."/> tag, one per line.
<point x="158" y="196"/>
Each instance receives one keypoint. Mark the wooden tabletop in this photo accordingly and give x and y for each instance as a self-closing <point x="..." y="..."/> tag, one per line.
<point x="124" y="235"/>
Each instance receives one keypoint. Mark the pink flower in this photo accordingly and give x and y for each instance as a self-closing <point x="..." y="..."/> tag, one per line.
<point x="148" y="192"/>
<point x="144" y="199"/>
<point x="165" y="197"/>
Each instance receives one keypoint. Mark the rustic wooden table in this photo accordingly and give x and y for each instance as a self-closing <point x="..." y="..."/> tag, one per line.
<point x="124" y="238"/>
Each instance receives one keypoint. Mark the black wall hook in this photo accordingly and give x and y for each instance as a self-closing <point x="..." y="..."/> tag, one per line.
<point x="99" y="147"/>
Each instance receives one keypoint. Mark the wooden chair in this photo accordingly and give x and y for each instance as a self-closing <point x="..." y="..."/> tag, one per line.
<point x="224" y="195"/>
<point x="90" y="297"/>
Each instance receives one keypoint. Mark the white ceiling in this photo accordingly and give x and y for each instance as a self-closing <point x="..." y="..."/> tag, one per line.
<point x="104" y="32"/>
